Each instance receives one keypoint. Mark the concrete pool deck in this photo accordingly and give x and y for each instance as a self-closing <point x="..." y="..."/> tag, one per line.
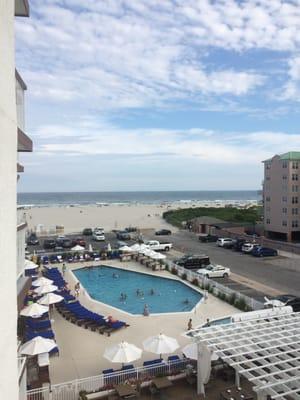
<point x="81" y="351"/>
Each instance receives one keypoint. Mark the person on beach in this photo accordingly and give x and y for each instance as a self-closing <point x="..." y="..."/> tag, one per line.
<point x="190" y="324"/>
<point x="146" y="312"/>
<point x="64" y="268"/>
<point x="77" y="289"/>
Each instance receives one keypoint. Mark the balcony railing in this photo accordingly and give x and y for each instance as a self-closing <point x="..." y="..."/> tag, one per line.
<point x="21" y="366"/>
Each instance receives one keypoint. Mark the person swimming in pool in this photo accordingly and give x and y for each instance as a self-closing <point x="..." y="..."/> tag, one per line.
<point x="137" y="292"/>
<point x="152" y="291"/>
<point x="114" y="275"/>
<point x="186" y="301"/>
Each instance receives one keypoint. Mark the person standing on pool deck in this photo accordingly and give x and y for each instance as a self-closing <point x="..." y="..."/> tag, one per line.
<point x="64" y="268"/>
<point x="77" y="289"/>
<point x="146" y="312"/>
<point x="190" y="324"/>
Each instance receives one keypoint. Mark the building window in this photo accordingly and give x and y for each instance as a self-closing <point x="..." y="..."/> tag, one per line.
<point x="295" y="211"/>
<point x="268" y="209"/>
<point x="284" y="164"/>
<point x="294" y="188"/>
<point x="284" y="177"/>
<point x="294" y="200"/>
<point x="284" y="199"/>
<point x="295" y="165"/>
<point x="284" y="223"/>
<point x="268" y="166"/>
<point x="268" y="198"/>
<point x="294" y="177"/>
<point x="284" y="210"/>
<point x="294" y="224"/>
<point x="268" y="178"/>
<point x="268" y="221"/>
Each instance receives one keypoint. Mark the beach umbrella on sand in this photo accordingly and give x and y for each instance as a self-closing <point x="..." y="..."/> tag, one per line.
<point x="191" y="351"/>
<point x="125" y="249"/>
<point x="78" y="248"/>
<point x="35" y="310"/>
<point x="45" y="289"/>
<point x="122" y="353"/>
<point x="42" y="281"/>
<point x="160" y="344"/>
<point x="50" y="298"/>
<point x="37" y="345"/>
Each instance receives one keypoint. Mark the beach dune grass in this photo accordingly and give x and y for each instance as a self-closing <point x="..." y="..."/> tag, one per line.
<point x="250" y="215"/>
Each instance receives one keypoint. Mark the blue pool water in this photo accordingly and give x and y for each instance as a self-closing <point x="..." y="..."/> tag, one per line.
<point x="162" y="295"/>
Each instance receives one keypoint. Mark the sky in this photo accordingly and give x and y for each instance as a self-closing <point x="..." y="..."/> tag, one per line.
<point x="158" y="94"/>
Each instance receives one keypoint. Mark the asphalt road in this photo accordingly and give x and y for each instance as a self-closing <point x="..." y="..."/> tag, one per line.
<point x="280" y="273"/>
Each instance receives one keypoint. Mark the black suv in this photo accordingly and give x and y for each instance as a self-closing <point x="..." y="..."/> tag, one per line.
<point x="32" y="240"/>
<point x="289" y="300"/>
<point x="237" y="246"/>
<point x="49" y="244"/>
<point x="123" y="235"/>
<point x="87" y="232"/>
<point x="163" y="232"/>
<point x="208" y="238"/>
<point x="193" y="261"/>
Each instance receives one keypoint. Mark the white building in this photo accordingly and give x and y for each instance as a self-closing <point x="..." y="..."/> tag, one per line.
<point x="12" y="138"/>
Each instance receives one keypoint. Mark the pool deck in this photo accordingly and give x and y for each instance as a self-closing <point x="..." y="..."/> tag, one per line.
<point x="81" y="351"/>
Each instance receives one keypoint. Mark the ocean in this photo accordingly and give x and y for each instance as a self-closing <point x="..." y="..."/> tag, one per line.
<point x="89" y="198"/>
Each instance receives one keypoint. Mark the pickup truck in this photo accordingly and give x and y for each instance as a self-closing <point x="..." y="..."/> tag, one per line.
<point x="158" y="246"/>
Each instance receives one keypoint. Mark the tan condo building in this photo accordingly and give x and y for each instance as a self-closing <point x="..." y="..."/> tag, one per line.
<point x="281" y="196"/>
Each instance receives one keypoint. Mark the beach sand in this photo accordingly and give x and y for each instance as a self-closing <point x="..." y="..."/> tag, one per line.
<point x="109" y="217"/>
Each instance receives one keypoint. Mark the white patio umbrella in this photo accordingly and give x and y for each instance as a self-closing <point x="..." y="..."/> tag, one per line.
<point x="78" y="248"/>
<point x="37" y="345"/>
<point x="191" y="351"/>
<point x="143" y="248"/>
<point x="108" y="248"/>
<point x="159" y="256"/>
<point x="35" y="310"/>
<point x="160" y="344"/>
<point x="125" y="249"/>
<point x="42" y="281"/>
<point x="151" y="254"/>
<point x="122" y="353"/>
<point x="30" y="265"/>
<point x="90" y="247"/>
<point x="147" y="252"/>
<point x="45" y="289"/>
<point x="135" y="247"/>
<point x="50" y="298"/>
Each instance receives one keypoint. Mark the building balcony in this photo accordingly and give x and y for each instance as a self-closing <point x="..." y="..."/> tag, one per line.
<point x="21" y="8"/>
<point x="24" y="142"/>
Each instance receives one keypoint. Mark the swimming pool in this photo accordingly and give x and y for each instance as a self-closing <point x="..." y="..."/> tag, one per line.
<point x="162" y="295"/>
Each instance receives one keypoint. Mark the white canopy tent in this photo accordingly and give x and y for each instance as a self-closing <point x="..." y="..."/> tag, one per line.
<point x="266" y="351"/>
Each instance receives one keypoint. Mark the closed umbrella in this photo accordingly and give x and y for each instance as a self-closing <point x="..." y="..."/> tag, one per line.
<point x="37" y="345"/>
<point x="160" y="344"/>
<point x="90" y="247"/>
<point x="78" y="248"/>
<point x="50" y="298"/>
<point x="35" y="310"/>
<point x="108" y="248"/>
<point x="122" y="353"/>
<point x="45" y="289"/>
<point x="42" y="281"/>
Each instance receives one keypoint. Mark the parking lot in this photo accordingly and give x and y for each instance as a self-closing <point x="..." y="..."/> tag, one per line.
<point x="279" y="273"/>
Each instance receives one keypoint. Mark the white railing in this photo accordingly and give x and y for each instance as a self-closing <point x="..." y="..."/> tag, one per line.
<point x="215" y="288"/>
<point x="105" y="382"/>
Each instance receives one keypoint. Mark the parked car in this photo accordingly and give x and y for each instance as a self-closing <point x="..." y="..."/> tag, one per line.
<point x="190" y="261"/>
<point x="59" y="240"/>
<point x="49" y="244"/>
<point x="260" y="251"/>
<point x="87" y="232"/>
<point x="123" y="235"/>
<point x="79" y="241"/>
<point x="99" y="237"/>
<point x="158" y="246"/>
<point x="98" y="230"/>
<point x="238" y="244"/>
<point x="67" y="243"/>
<point x="225" y="242"/>
<point x="287" y="300"/>
<point x="249" y="247"/>
<point x="214" y="271"/>
<point x="162" y="232"/>
<point x="208" y="238"/>
<point x="33" y="240"/>
<point x="131" y="229"/>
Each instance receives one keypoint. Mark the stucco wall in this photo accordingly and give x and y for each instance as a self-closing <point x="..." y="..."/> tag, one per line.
<point x="8" y="143"/>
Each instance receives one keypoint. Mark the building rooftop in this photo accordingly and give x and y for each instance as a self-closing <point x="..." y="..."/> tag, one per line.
<point x="290" y="156"/>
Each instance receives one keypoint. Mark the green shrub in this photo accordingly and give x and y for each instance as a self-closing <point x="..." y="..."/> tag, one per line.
<point x="241" y="304"/>
<point x="174" y="271"/>
<point x="195" y="282"/>
<point x="184" y="276"/>
<point x="232" y="299"/>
